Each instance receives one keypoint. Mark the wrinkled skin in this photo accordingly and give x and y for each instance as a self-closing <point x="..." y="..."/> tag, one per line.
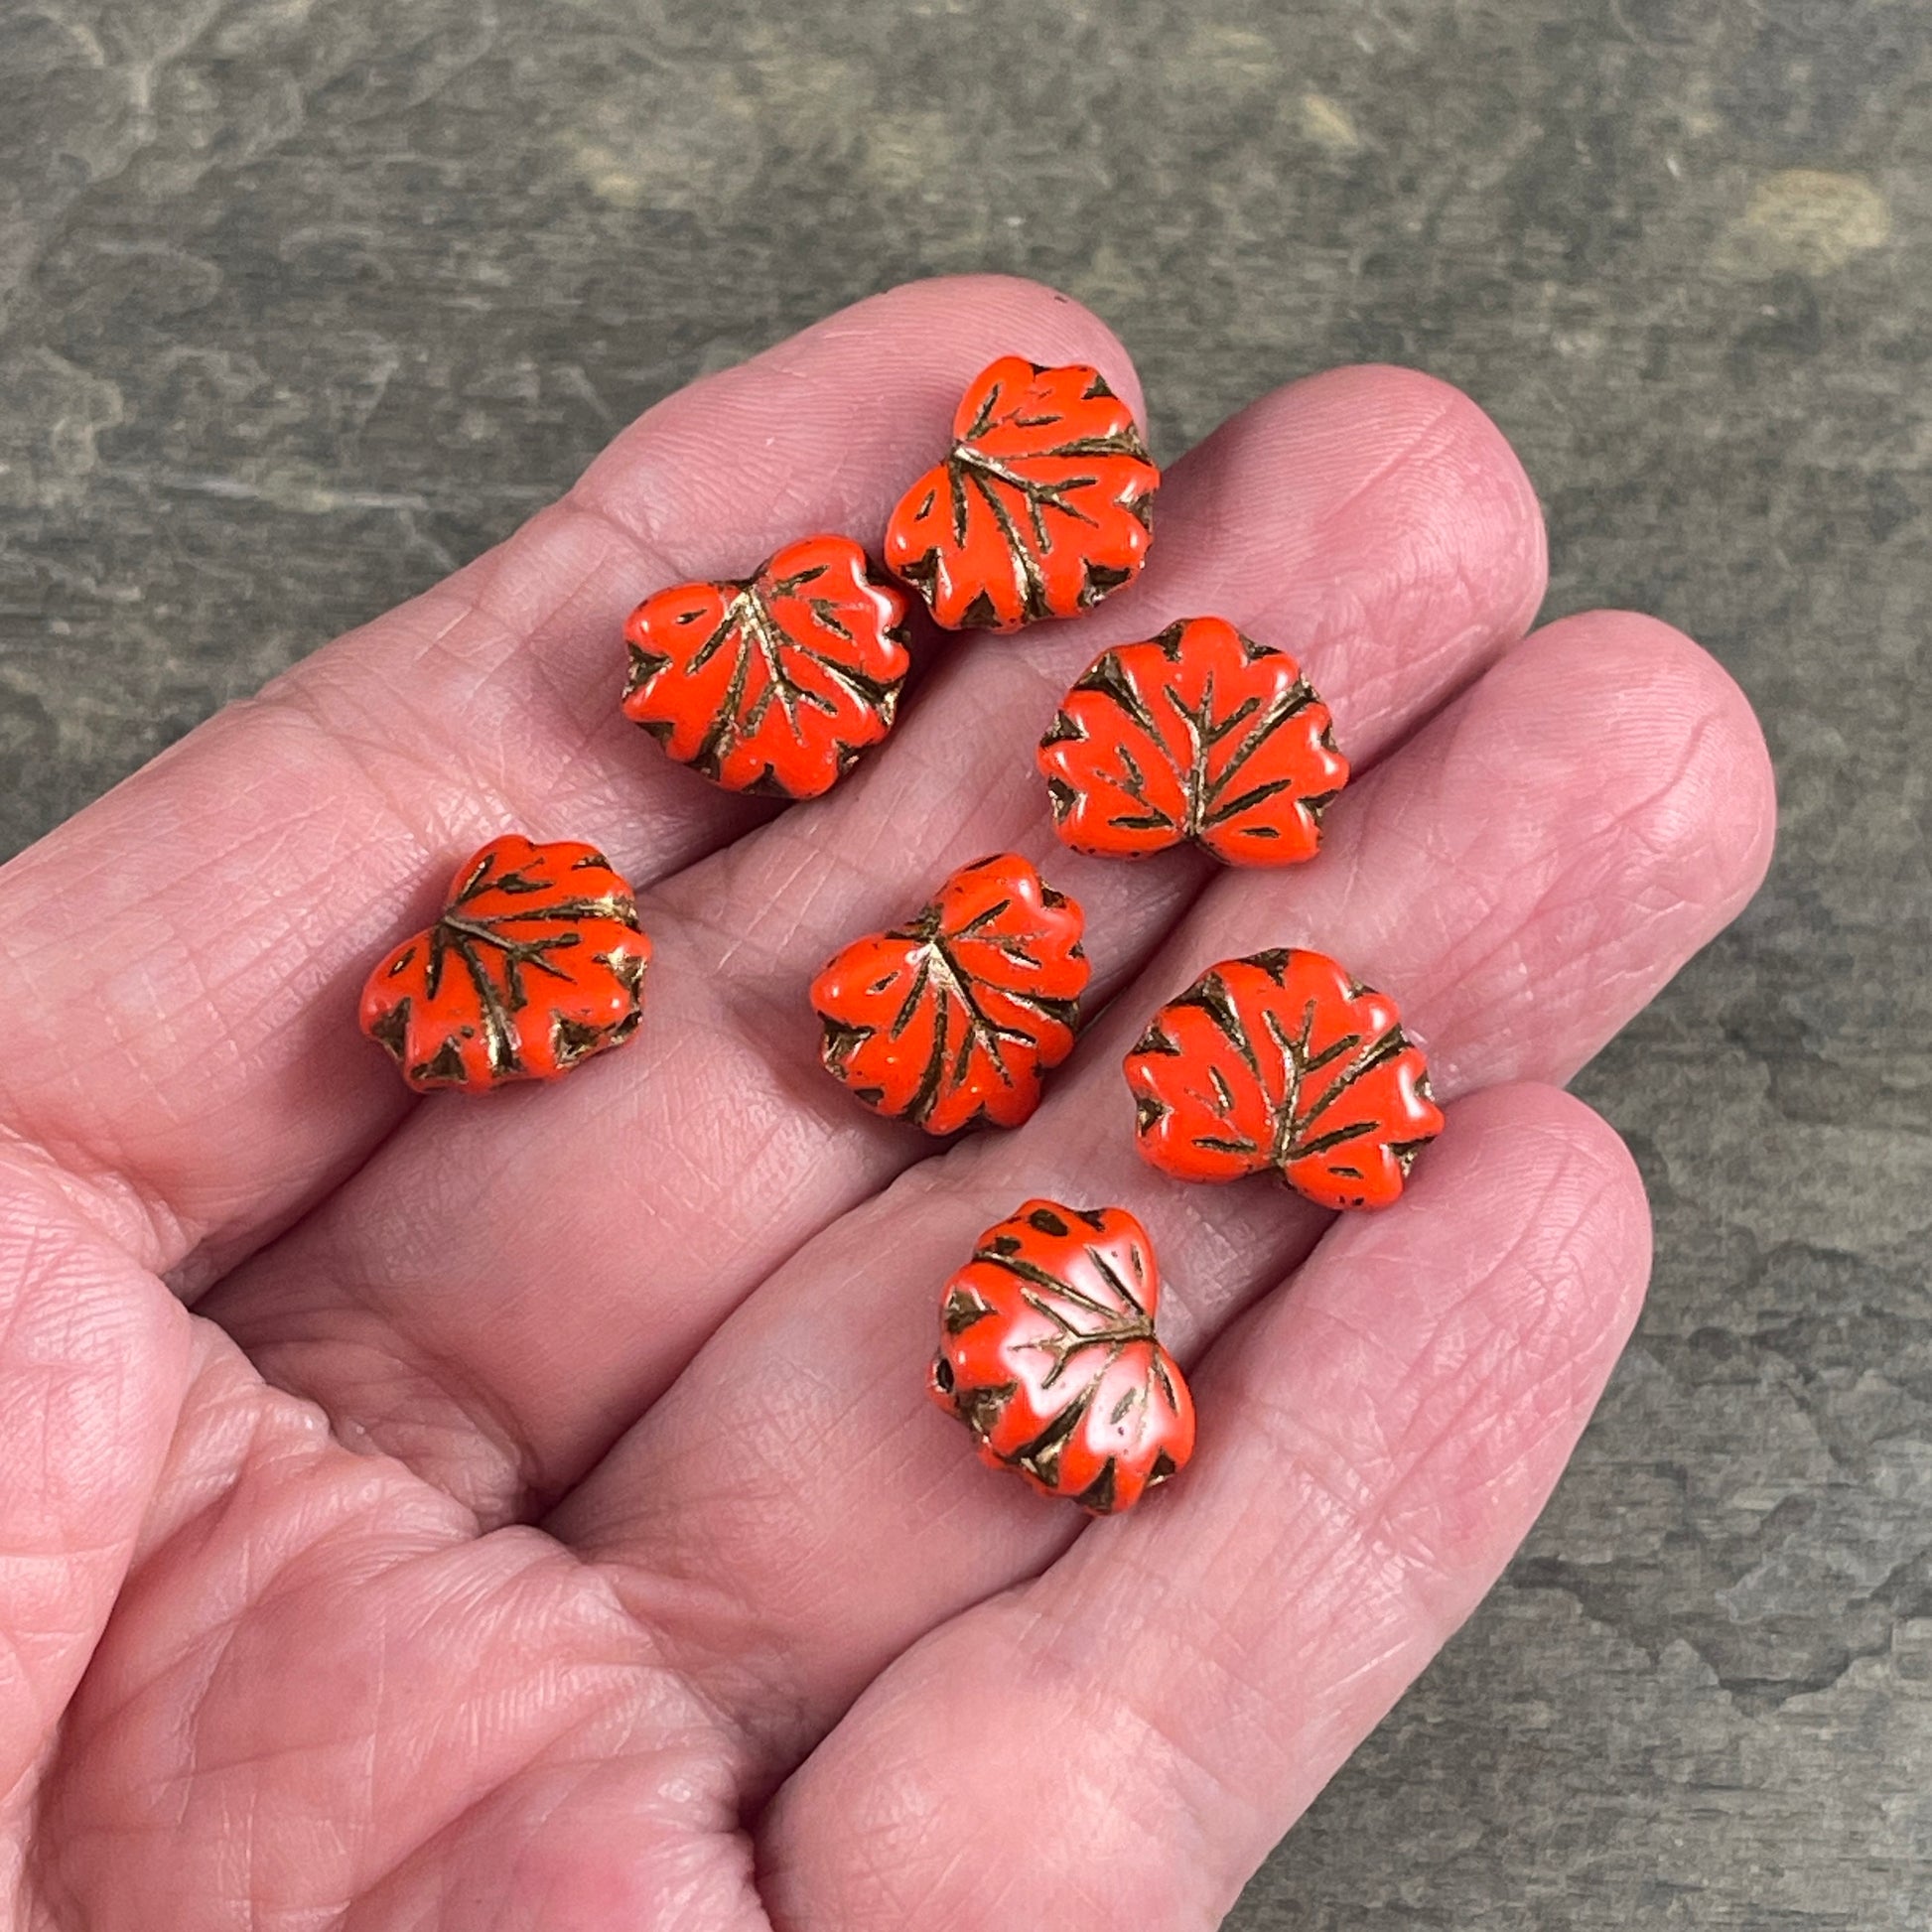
<point x="527" y="1512"/>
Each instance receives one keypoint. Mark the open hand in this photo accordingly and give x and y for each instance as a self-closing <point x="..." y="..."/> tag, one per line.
<point x="539" y="1520"/>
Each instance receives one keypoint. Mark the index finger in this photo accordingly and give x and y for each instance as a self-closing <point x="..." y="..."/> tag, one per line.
<point x="177" y="962"/>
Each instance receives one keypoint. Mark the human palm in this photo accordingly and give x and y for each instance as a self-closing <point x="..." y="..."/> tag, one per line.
<point x="539" y="1520"/>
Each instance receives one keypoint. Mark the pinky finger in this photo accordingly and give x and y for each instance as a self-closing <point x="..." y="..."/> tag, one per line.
<point x="1123" y="1740"/>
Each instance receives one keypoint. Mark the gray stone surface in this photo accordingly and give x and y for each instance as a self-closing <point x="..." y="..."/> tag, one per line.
<point x="300" y="302"/>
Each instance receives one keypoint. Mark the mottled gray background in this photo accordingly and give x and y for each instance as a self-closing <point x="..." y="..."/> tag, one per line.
<point x="302" y="300"/>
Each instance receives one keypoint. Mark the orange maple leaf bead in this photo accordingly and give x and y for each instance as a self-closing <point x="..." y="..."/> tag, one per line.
<point x="1199" y="734"/>
<point x="1042" y="505"/>
<point x="950" y="1020"/>
<point x="774" y="682"/>
<point x="1283" y="1060"/>
<point x="1047" y="1354"/>
<point x="535" y="963"/>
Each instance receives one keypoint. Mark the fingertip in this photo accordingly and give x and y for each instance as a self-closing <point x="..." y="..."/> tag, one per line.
<point x="1682" y="757"/>
<point x="987" y="316"/>
<point x="1426" y="555"/>
<point x="1546" y="1145"/>
<point x="827" y="428"/>
<point x="1471" y="492"/>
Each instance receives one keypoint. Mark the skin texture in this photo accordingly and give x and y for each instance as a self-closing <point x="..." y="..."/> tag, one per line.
<point x="528" y="1513"/>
